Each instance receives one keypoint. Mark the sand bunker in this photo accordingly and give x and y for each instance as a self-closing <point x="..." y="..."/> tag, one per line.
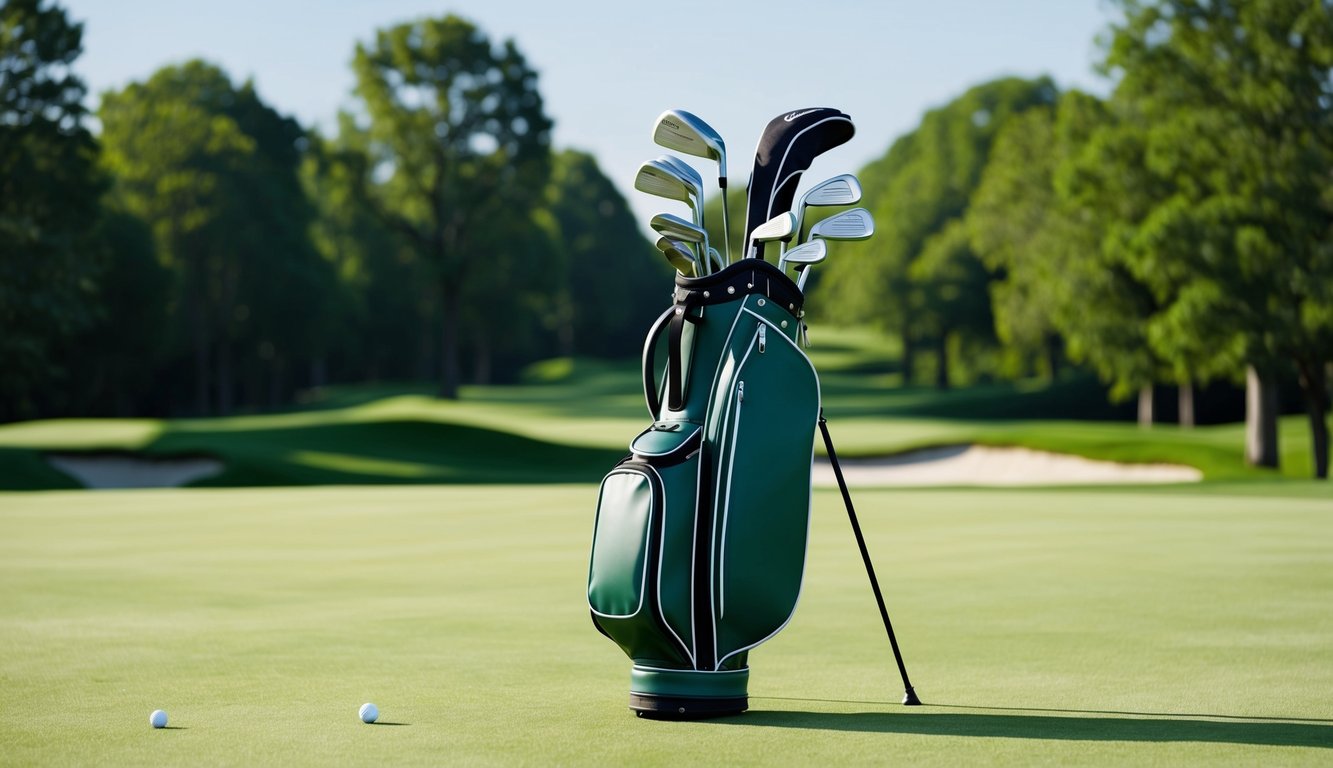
<point x="951" y="465"/>
<point x="118" y="471"/>
<point x="985" y="465"/>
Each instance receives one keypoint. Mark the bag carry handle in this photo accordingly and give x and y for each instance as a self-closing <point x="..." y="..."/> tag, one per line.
<point x="675" y="317"/>
<point x="650" y="387"/>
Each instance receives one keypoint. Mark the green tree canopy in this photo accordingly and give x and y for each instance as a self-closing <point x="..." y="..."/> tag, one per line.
<point x="918" y="192"/>
<point x="615" y="281"/>
<point x="49" y="190"/>
<point x="1215" y="176"/>
<point x="214" y="172"/>
<point x="458" y="137"/>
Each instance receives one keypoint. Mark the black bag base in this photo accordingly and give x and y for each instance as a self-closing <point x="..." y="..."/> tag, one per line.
<point x="657" y="707"/>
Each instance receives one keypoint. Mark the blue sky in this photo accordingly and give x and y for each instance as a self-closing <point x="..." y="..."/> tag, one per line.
<point x="608" y="69"/>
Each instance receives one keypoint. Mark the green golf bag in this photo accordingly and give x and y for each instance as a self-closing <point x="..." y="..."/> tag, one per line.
<point x="700" y="537"/>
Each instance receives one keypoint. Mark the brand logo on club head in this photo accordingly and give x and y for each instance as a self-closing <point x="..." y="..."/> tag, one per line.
<point x="793" y="115"/>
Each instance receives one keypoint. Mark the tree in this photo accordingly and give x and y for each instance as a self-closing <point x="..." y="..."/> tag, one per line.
<point x="213" y="171"/>
<point x="614" y="280"/>
<point x="457" y="133"/>
<point x="917" y="191"/>
<point x="373" y="268"/>
<point x="1225" y="212"/>
<point x="49" y="190"/>
<point x="1031" y="223"/>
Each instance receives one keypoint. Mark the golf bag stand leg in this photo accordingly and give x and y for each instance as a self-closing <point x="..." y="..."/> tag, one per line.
<point x="909" y="697"/>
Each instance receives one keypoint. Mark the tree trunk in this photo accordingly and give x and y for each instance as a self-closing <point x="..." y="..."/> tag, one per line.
<point x="481" y="360"/>
<point x="909" y="356"/>
<point x="196" y="298"/>
<point x="1260" y="419"/>
<point x="1145" y="406"/>
<point x="450" y="317"/>
<point x="226" y="379"/>
<point x="202" y="370"/>
<point x="1052" y="346"/>
<point x="1185" y="400"/>
<point x="942" y="369"/>
<point x="1314" y="385"/>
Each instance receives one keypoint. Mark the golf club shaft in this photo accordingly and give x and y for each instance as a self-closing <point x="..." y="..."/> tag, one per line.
<point x="910" y="697"/>
<point x="726" y="226"/>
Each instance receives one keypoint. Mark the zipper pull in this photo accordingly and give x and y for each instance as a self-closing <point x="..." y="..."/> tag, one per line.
<point x="763" y="337"/>
<point x="740" y="391"/>
<point x="805" y="335"/>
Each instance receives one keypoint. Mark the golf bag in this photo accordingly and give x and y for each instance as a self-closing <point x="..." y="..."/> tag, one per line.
<point x="700" y="537"/>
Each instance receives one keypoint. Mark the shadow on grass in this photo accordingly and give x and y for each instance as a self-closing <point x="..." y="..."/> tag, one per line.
<point x="1140" y="727"/>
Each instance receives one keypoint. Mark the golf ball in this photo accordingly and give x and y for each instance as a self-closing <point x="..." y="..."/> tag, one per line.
<point x="158" y="719"/>
<point x="369" y="713"/>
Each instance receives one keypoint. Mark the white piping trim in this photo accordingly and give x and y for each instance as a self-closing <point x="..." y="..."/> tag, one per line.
<point x="643" y="579"/>
<point x="688" y="438"/>
<point x="695" y="671"/>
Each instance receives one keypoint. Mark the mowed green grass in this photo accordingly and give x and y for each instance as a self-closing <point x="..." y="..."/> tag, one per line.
<point x="1131" y="627"/>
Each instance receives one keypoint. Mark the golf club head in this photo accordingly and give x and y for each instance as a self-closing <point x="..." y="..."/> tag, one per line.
<point x="804" y="255"/>
<point x="843" y="189"/>
<point x="679" y="130"/>
<point x="661" y="180"/>
<point x="693" y="181"/>
<point x="676" y="228"/>
<point x="685" y="169"/>
<point x="678" y="254"/>
<point x="780" y="227"/>
<point x="856" y="224"/>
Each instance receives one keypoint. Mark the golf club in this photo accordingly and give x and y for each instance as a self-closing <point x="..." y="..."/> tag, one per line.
<point x="843" y="189"/>
<point x="856" y="224"/>
<point x="779" y="228"/>
<point x="662" y="179"/>
<point x="678" y="254"/>
<point x="804" y="255"/>
<point x="679" y="130"/>
<point x="676" y="228"/>
<point x="693" y="180"/>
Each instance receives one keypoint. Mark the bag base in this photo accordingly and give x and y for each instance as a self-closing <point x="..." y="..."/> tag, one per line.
<point x="682" y="694"/>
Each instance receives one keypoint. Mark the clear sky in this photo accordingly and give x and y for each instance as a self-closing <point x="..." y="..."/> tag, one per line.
<point x="608" y="68"/>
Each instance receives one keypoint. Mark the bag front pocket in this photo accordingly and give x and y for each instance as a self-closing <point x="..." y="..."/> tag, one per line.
<point x="640" y="576"/>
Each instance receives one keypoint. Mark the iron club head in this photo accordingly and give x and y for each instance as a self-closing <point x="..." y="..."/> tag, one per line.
<point x="856" y="224"/>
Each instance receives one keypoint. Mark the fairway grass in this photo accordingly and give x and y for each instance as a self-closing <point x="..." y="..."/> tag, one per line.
<point x="1070" y="627"/>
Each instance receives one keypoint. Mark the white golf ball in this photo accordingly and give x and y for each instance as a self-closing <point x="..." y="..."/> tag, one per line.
<point x="369" y="713"/>
<point x="158" y="719"/>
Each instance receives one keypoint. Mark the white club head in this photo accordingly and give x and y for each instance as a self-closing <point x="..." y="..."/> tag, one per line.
<point x="856" y="224"/>
<point x="780" y="227"/>
<point x="804" y="255"/>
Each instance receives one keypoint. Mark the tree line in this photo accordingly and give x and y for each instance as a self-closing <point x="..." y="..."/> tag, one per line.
<point x="203" y="253"/>
<point x="1179" y="231"/>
